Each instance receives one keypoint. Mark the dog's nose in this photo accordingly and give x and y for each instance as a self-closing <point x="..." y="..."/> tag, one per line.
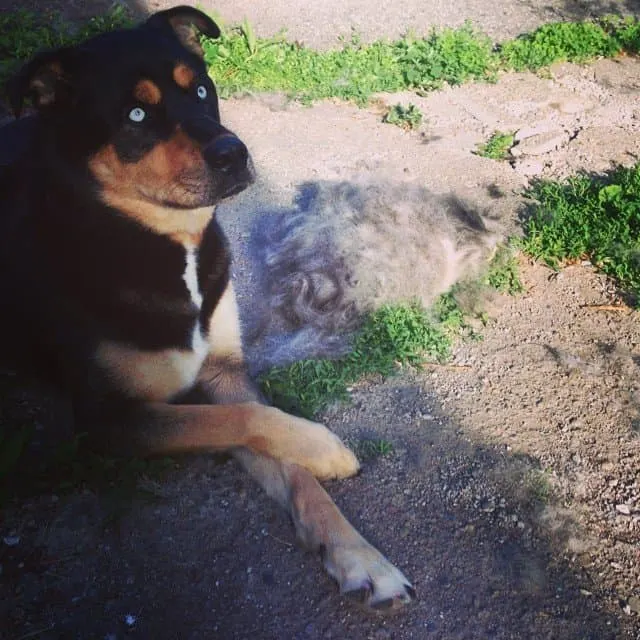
<point x="227" y="153"/>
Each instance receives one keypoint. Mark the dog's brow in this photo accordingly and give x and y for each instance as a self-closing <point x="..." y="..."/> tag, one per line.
<point x="147" y="91"/>
<point x="183" y="75"/>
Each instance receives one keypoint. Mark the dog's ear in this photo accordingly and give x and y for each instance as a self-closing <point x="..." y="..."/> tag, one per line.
<point x="188" y="24"/>
<point x="45" y="80"/>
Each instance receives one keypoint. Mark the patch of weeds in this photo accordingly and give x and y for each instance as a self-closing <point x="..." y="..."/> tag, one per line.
<point x="539" y="484"/>
<point x="558" y="42"/>
<point x="583" y="218"/>
<point x="13" y="444"/>
<point x="239" y="61"/>
<point x="370" y="448"/>
<point x="626" y="30"/>
<point x="453" y="56"/>
<point x="409" y="117"/>
<point x="24" y="33"/>
<point x="497" y="146"/>
<point x="72" y="466"/>
<point x="503" y="273"/>
<point x="394" y="335"/>
<point x="451" y="317"/>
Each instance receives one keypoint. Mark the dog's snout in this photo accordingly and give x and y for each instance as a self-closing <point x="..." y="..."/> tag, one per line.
<point x="227" y="153"/>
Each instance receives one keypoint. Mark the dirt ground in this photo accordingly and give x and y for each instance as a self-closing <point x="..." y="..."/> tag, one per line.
<point x="512" y="496"/>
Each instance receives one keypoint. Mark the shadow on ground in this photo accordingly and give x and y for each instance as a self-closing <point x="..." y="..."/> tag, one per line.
<point x="584" y="9"/>
<point x="204" y="554"/>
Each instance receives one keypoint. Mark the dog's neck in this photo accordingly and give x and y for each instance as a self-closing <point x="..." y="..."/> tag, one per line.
<point x="184" y="226"/>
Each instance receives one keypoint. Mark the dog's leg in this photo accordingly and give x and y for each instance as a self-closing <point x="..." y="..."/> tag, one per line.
<point x="163" y="429"/>
<point x="356" y="565"/>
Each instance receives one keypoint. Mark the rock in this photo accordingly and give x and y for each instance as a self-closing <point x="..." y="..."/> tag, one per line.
<point x="539" y="144"/>
<point x="534" y="130"/>
<point x="624" y="509"/>
<point x="529" y="167"/>
<point x="572" y="106"/>
<point x="634" y="604"/>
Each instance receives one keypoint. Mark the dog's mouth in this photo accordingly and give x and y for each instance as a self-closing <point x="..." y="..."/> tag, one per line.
<point x="237" y="184"/>
<point x="200" y="187"/>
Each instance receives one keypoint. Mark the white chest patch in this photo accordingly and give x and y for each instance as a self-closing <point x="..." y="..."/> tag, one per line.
<point x="190" y="275"/>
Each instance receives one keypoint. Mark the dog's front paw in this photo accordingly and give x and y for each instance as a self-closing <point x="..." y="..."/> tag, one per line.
<point x="322" y="452"/>
<point x="308" y="444"/>
<point x="364" y="574"/>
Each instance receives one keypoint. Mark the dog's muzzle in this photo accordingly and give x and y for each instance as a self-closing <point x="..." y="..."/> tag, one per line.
<point x="227" y="153"/>
<point x="228" y="156"/>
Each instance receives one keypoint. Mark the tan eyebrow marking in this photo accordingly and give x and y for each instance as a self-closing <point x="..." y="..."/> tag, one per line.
<point x="147" y="91"/>
<point x="183" y="75"/>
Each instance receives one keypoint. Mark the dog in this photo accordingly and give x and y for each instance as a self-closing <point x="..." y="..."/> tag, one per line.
<point x="115" y="275"/>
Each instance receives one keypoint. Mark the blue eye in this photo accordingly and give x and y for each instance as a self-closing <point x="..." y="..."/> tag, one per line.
<point x="202" y="92"/>
<point x="137" y="114"/>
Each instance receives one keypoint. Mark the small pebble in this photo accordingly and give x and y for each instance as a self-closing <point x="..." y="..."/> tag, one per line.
<point x="634" y="604"/>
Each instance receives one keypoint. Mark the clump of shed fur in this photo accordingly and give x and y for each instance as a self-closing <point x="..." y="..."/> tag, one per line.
<point x="346" y="249"/>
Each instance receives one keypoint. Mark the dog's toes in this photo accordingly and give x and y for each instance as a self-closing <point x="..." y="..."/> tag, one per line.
<point x="340" y="463"/>
<point x="366" y="576"/>
<point x="324" y="454"/>
<point x="302" y="442"/>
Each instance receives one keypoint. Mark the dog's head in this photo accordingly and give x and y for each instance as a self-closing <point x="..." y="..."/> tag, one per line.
<point x="137" y="109"/>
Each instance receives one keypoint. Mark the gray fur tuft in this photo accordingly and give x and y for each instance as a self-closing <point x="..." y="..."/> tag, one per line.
<point x="347" y="249"/>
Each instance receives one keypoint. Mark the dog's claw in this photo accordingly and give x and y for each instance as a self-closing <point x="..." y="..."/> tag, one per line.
<point x="366" y="576"/>
<point x="362" y="594"/>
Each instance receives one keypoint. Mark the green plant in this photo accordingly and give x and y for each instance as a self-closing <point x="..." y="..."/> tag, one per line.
<point x="13" y="443"/>
<point x="625" y="30"/>
<point x="370" y="448"/>
<point x="24" y="33"/>
<point x="409" y="117"/>
<point x="239" y="61"/>
<point x="583" y="218"/>
<point x="557" y="42"/>
<point x="392" y="336"/>
<point x="447" y="55"/>
<point x="497" y="146"/>
<point x="540" y="485"/>
<point x="503" y="273"/>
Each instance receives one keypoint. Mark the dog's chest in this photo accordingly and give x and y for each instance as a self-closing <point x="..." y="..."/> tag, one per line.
<point x="160" y="374"/>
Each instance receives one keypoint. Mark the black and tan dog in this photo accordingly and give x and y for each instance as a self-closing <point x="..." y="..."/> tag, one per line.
<point x="115" y="275"/>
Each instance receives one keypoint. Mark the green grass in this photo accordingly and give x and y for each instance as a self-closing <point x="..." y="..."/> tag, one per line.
<point x="586" y="218"/>
<point x="70" y="467"/>
<point x="370" y="448"/>
<point x="497" y="146"/>
<point x="23" y="34"/>
<point x="557" y="42"/>
<point x="503" y="274"/>
<point x="393" y="336"/>
<point x="539" y="484"/>
<point x="409" y="117"/>
<point x="239" y="61"/>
